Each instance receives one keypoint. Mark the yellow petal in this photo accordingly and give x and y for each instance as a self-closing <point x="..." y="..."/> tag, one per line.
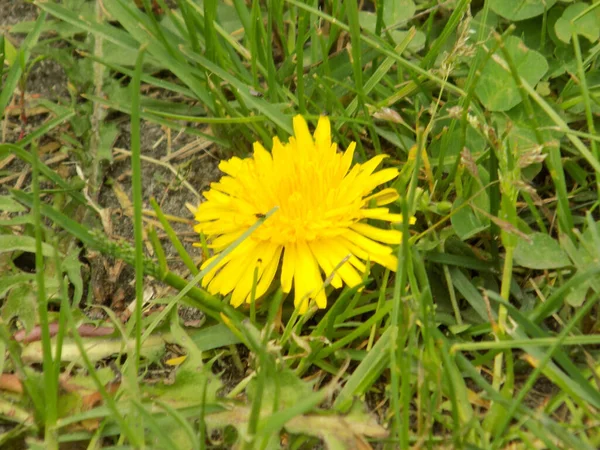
<point x="177" y="361"/>
<point x="340" y="252"/>
<point x="368" y="167"/>
<point x="268" y="274"/>
<point x="208" y="211"/>
<point x="308" y="283"/>
<point x="347" y="159"/>
<point x="216" y="197"/>
<point x="261" y="256"/>
<point x="374" y="213"/>
<point x="210" y="275"/>
<point x="323" y="134"/>
<point x="378" y="234"/>
<point x="288" y="268"/>
<point x="384" y="214"/>
<point x="383" y="176"/>
<point x="231" y="166"/>
<point x="278" y="150"/>
<point x="322" y="254"/>
<point x="390" y="261"/>
<point x="304" y="140"/>
<point x="367" y="244"/>
<point x="383" y="197"/>
<point x="262" y="157"/>
<point x="243" y="287"/>
<point x="230" y="275"/>
<point x="240" y="252"/>
<point x="222" y="227"/>
<point x="222" y="242"/>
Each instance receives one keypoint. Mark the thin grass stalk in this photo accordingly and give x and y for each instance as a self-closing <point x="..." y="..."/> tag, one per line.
<point x="107" y="398"/>
<point x="254" y="40"/>
<point x="355" y="39"/>
<point x="380" y="302"/>
<point x="576" y="340"/>
<point x="159" y="34"/>
<point x="136" y="181"/>
<point x="16" y="70"/>
<point x="62" y="330"/>
<point x="210" y="35"/>
<point x="585" y="94"/>
<point x="50" y="380"/>
<point x="449" y="28"/>
<point x="465" y="365"/>
<point x="555" y="344"/>
<point x="554" y="160"/>
<point x="259" y="387"/>
<point x="168" y="11"/>
<point x="181" y="251"/>
<point x="399" y="361"/>
<point x="269" y="36"/>
<point x="154" y="427"/>
<point x="190" y="25"/>
<point x="480" y="60"/>
<point x="300" y="38"/>
<point x="45" y="128"/>
<point x="494" y="196"/>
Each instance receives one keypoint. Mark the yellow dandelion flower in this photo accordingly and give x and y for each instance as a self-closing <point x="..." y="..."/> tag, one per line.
<point x="319" y="230"/>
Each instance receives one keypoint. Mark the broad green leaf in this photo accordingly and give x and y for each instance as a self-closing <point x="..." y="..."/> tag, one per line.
<point x="108" y="135"/>
<point x="572" y="94"/>
<point x="520" y="9"/>
<point x="398" y="11"/>
<point x="417" y="43"/>
<point x="193" y="385"/>
<point x="521" y="133"/>
<point x="541" y="252"/>
<point x="288" y="389"/>
<point x="583" y="256"/>
<point x="587" y="25"/>
<point x="21" y="303"/>
<point x="465" y="221"/>
<point x="16" y="70"/>
<point x="561" y="62"/>
<point x="490" y="25"/>
<point x="11" y="243"/>
<point x="71" y="265"/>
<point x="346" y="433"/>
<point x="578" y="294"/>
<point x="368" y="20"/>
<point x="10" y="52"/>
<point x="215" y="336"/>
<point x="7" y="282"/>
<point x="497" y="89"/>
<point x="451" y="142"/>
<point x="365" y="374"/>
<point x="229" y="18"/>
<point x="116" y="54"/>
<point x="9" y="204"/>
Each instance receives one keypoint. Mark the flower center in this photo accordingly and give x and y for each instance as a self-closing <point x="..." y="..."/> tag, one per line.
<point x="311" y="206"/>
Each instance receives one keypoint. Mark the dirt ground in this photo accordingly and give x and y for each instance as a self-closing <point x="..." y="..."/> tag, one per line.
<point x="167" y="177"/>
<point x="176" y="168"/>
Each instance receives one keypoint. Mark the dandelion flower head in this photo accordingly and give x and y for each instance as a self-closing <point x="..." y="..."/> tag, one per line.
<point x="319" y="232"/>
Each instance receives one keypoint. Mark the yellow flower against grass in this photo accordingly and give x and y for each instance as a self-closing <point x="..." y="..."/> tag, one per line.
<point x="319" y="231"/>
